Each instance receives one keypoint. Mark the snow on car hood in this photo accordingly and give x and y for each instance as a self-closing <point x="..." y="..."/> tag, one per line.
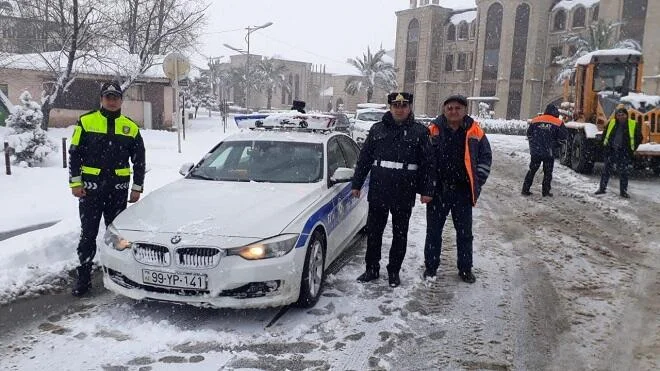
<point x="238" y="209"/>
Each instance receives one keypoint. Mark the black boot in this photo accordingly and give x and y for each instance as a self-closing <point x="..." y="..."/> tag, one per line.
<point x="547" y="194"/>
<point x="467" y="276"/>
<point x="393" y="277"/>
<point x="370" y="274"/>
<point x="429" y="273"/>
<point x="84" y="281"/>
<point x="600" y="191"/>
<point x="526" y="193"/>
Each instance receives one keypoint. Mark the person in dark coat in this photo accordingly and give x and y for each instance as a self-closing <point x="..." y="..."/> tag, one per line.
<point x="621" y="138"/>
<point x="397" y="152"/>
<point x="463" y="158"/>
<point x="103" y="142"/>
<point x="543" y="134"/>
<point x="299" y="106"/>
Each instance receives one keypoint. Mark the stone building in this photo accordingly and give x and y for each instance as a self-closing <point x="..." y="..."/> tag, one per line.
<point x="505" y="49"/>
<point x="22" y="32"/>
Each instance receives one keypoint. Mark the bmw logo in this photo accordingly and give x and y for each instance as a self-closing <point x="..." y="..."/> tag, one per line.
<point x="176" y="239"/>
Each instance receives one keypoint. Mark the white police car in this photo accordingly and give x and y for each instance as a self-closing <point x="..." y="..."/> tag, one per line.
<point x="255" y="223"/>
<point x="365" y="118"/>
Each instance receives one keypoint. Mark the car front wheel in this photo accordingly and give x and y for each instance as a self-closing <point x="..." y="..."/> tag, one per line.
<point x="313" y="275"/>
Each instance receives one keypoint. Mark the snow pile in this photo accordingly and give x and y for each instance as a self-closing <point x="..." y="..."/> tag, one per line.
<point x="586" y="59"/>
<point x="637" y="100"/>
<point x="570" y="4"/>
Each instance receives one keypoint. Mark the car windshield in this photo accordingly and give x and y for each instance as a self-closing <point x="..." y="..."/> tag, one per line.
<point x="370" y="116"/>
<point x="262" y="161"/>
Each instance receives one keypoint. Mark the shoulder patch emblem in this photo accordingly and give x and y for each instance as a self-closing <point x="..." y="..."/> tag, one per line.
<point x="126" y="129"/>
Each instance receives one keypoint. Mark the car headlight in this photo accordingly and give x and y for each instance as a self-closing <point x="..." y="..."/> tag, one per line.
<point x="269" y="248"/>
<point x="113" y="239"/>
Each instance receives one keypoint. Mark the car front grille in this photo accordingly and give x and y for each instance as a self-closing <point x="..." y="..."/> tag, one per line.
<point x="151" y="254"/>
<point x="198" y="257"/>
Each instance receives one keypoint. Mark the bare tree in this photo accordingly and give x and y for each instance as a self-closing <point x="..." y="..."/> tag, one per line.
<point x="149" y="29"/>
<point x="73" y="26"/>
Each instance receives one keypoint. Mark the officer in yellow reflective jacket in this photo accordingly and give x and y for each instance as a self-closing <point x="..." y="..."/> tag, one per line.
<point x="99" y="172"/>
<point x="621" y="138"/>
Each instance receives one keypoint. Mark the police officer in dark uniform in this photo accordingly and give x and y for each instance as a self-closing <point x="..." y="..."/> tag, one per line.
<point x="99" y="173"/>
<point x="544" y="134"/>
<point x="397" y="152"/>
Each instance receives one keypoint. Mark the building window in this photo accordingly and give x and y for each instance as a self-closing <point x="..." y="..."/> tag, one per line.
<point x="555" y="53"/>
<point x="451" y="32"/>
<point x="296" y="87"/>
<point x="424" y="2"/>
<point x="515" y="101"/>
<point x="289" y="95"/>
<point x="594" y="13"/>
<point x="492" y="43"/>
<point x="470" y="60"/>
<point x="461" y="64"/>
<point x="473" y="29"/>
<point x="559" y="23"/>
<point x="634" y="19"/>
<point x="579" y="17"/>
<point x="449" y="62"/>
<point x="410" y="68"/>
<point x="463" y="31"/>
<point x="4" y="88"/>
<point x="519" y="52"/>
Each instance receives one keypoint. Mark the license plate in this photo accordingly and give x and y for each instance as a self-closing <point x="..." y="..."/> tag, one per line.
<point x="177" y="280"/>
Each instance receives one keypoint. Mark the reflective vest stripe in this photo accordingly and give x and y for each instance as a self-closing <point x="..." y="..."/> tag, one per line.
<point x="547" y="119"/>
<point x="90" y="170"/>
<point x="123" y="171"/>
<point x="75" y="140"/>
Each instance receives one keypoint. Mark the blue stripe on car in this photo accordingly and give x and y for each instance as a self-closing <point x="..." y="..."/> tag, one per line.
<point x="327" y="215"/>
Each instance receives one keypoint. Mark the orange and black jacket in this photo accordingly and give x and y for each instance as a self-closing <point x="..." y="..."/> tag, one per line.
<point x="101" y="146"/>
<point x="544" y="134"/>
<point x="478" y="155"/>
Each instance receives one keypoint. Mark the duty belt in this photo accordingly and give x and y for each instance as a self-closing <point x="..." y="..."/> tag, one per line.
<point x="395" y="165"/>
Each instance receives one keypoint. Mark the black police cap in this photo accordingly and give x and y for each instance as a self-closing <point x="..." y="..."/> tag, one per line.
<point x="399" y="97"/>
<point x="111" y="88"/>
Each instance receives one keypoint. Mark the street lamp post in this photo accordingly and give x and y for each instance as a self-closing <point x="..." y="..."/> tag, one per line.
<point x="247" y="61"/>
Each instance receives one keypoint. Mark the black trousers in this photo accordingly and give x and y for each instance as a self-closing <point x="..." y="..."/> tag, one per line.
<point x="620" y="157"/>
<point x="106" y="201"/>
<point x="376" y="222"/>
<point x="459" y="203"/>
<point x="534" y="165"/>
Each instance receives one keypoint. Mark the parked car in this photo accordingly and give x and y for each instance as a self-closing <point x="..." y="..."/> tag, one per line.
<point x="364" y="119"/>
<point x="254" y="223"/>
<point x="342" y="122"/>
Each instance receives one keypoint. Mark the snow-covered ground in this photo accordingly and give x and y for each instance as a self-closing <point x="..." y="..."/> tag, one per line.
<point x="569" y="282"/>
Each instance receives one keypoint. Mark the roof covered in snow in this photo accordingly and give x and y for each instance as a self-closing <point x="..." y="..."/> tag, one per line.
<point x="587" y="58"/>
<point x="454" y="4"/>
<point x="468" y="17"/>
<point x="118" y="64"/>
<point x="570" y="4"/>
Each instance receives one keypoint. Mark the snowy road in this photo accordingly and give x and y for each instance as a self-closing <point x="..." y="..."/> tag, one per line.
<point x="567" y="283"/>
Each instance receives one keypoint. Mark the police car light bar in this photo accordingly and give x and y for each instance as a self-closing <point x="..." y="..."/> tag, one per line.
<point x="292" y="119"/>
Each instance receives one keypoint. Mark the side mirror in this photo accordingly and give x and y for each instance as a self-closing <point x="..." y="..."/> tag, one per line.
<point x="185" y="168"/>
<point x="341" y="175"/>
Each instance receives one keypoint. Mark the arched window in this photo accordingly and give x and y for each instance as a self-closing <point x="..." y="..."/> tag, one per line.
<point x="473" y="29"/>
<point x="296" y="87"/>
<point x="633" y="18"/>
<point x="410" y="68"/>
<point x="518" y="57"/>
<point x="579" y="17"/>
<point x="451" y="32"/>
<point x="463" y="31"/>
<point x="594" y="13"/>
<point x="559" y="23"/>
<point x="492" y="44"/>
<point x="290" y="95"/>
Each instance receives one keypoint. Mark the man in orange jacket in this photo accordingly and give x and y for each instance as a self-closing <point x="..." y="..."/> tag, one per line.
<point x="463" y="158"/>
<point x="543" y="133"/>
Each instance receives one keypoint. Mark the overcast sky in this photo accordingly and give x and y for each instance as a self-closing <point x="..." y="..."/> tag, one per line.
<point x="315" y="31"/>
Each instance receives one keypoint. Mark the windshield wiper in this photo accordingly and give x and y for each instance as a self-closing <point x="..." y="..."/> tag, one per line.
<point x="199" y="176"/>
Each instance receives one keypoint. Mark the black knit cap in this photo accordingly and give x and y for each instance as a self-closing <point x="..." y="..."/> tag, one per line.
<point x="456" y="98"/>
<point x="399" y="97"/>
<point x="111" y="88"/>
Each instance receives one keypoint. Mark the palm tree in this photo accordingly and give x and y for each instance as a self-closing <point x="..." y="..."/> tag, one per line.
<point x="374" y="73"/>
<point x="599" y="36"/>
<point x="270" y="76"/>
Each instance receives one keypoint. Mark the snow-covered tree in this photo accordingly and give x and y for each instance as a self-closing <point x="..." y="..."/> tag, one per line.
<point x="270" y="76"/>
<point x="600" y="35"/>
<point x="374" y="73"/>
<point x="28" y="141"/>
<point x="484" y="111"/>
